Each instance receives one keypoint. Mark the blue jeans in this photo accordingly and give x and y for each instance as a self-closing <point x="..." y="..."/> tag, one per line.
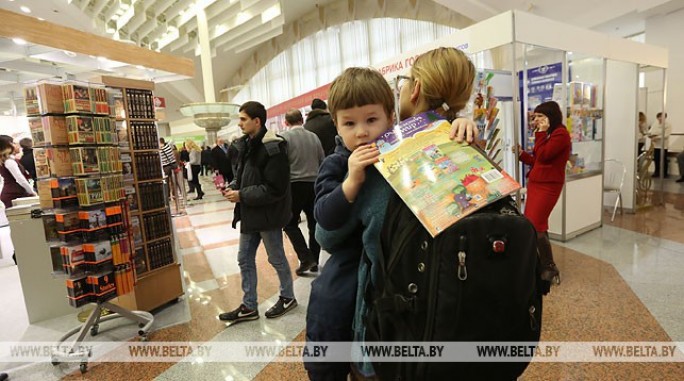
<point x="273" y="241"/>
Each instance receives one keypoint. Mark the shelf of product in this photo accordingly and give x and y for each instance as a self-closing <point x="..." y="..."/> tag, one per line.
<point x="153" y="250"/>
<point x="80" y="188"/>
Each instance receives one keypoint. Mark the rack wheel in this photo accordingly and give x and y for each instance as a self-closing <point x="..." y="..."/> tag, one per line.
<point x="143" y="337"/>
<point x="83" y="367"/>
<point x="54" y="362"/>
<point x="94" y="330"/>
<point x="140" y="325"/>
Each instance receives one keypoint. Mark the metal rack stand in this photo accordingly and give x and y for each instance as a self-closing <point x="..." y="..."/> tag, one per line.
<point x="76" y="351"/>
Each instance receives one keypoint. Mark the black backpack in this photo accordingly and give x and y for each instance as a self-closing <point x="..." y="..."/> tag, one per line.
<point x="478" y="281"/>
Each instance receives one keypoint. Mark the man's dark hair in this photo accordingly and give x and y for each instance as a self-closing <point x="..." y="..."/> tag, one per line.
<point x="658" y="115"/>
<point x="26" y="143"/>
<point x="7" y="138"/>
<point x="162" y="141"/>
<point x="318" y="104"/>
<point x="294" y="117"/>
<point x="255" y="110"/>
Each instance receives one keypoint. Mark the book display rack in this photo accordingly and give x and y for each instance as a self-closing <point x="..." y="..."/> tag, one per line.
<point x="485" y="115"/>
<point x="85" y="214"/>
<point x="158" y="272"/>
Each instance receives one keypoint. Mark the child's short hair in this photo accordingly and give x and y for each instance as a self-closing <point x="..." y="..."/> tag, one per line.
<point x="446" y="76"/>
<point x="358" y="86"/>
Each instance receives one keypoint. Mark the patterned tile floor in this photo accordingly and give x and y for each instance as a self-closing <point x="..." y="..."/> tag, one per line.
<point x="622" y="282"/>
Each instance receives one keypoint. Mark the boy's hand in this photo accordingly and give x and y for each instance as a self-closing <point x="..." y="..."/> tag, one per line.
<point x="361" y="158"/>
<point x="463" y="128"/>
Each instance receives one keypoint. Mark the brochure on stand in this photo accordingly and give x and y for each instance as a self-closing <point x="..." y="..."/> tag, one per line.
<point x="440" y="180"/>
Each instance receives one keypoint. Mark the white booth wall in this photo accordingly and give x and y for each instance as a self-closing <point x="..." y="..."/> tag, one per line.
<point x="667" y="31"/>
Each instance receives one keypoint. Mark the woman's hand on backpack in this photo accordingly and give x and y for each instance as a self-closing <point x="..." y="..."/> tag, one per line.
<point x="463" y="129"/>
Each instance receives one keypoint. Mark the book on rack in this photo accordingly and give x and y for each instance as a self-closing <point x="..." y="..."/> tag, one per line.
<point x="440" y="180"/>
<point x="80" y="129"/>
<point x="52" y="162"/>
<point x="77" y="99"/>
<point x="43" y="98"/>
<point x="48" y="130"/>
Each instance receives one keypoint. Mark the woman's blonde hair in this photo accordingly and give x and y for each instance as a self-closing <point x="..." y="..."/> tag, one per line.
<point x="446" y="76"/>
<point x="191" y="145"/>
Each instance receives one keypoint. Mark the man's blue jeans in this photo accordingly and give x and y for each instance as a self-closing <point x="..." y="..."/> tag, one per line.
<point x="273" y="241"/>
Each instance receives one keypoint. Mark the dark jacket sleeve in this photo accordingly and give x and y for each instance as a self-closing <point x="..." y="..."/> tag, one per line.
<point x="275" y="180"/>
<point x="331" y="209"/>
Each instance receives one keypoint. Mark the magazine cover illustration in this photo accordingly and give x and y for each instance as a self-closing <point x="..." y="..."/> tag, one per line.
<point x="440" y="180"/>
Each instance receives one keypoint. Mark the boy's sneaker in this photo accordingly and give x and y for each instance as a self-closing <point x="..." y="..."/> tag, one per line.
<point x="242" y="313"/>
<point x="281" y="307"/>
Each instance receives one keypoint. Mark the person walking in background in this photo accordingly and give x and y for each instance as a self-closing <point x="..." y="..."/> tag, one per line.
<point x="305" y="154"/>
<point x="546" y="177"/>
<point x="185" y="166"/>
<point x="680" y="163"/>
<point x="14" y="183"/>
<point x="14" y="176"/>
<point x="641" y="133"/>
<point x="660" y="137"/>
<point x="169" y="163"/>
<point x="27" y="158"/>
<point x="220" y="161"/>
<point x="195" y="160"/>
<point x="261" y="193"/>
<point x="320" y="123"/>
<point x="206" y="161"/>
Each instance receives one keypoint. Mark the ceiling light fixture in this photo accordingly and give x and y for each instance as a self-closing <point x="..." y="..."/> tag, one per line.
<point x="25" y="9"/>
<point x="41" y="19"/>
<point x="19" y="41"/>
<point x="69" y="54"/>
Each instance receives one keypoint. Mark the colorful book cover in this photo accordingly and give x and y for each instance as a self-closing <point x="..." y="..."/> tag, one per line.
<point x="440" y="180"/>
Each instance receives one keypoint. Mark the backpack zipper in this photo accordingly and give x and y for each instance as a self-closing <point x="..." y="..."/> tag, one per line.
<point x="462" y="271"/>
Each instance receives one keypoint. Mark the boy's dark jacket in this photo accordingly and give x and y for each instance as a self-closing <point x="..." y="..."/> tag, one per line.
<point x="263" y="179"/>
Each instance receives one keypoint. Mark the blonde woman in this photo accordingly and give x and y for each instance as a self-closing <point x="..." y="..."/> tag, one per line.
<point x="195" y="165"/>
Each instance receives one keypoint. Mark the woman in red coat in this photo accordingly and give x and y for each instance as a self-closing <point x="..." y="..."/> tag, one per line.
<point x="546" y="177"/>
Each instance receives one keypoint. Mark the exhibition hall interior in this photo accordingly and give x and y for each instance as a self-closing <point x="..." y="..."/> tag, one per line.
<point x="156" y="225"/>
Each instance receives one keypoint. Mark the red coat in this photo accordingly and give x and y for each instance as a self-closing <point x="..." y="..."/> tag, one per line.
<point x="547" y="175"/>
<point x="550" y="155"/>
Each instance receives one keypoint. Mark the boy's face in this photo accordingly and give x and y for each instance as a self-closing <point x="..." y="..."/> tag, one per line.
<point x="358" y="126"/>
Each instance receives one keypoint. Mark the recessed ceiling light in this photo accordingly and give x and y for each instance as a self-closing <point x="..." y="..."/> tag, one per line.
<point x="102" y="59"/>
<point x="68" y="53"/>
<point x="19" y="41"/>
<point x="25" y="9"/>
<point x="141" y="67"/>
<point x="41" y="19"/>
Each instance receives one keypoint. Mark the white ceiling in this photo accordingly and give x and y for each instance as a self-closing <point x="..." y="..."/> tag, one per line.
<point x="150" y="19"/>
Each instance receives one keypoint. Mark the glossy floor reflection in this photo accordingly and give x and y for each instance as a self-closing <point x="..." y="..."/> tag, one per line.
<point x="622" y="282"/>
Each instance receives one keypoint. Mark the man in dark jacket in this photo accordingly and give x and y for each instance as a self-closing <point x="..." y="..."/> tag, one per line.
<point x="205" y="160"/>
<point x="261" y="193"/>
<point x="320" y="123"/>
<point x="220" y="160"/>
<point x="27" y="158"/>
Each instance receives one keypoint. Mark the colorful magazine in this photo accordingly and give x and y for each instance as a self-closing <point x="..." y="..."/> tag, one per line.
<point x="440" y="180"/>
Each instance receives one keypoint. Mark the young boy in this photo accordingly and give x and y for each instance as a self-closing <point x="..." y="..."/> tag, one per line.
<point x="350" y="221"/>
<point x="361" y="104"/>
